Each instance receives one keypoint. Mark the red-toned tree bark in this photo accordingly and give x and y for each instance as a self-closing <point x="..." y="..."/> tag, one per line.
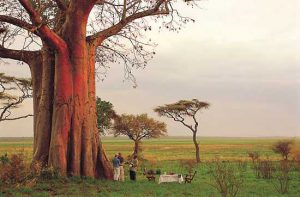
<point x="63" y="70"/>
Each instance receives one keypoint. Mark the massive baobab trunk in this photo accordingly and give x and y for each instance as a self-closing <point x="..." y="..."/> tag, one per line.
<point x="65" y="128"/>
<point x="63" y="70"/>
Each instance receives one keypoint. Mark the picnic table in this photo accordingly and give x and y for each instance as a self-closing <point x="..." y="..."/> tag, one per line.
<point x="165" y="178"/>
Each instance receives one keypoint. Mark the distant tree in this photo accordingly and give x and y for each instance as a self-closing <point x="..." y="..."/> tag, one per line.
<point x="253" y="155"/>
<point x="13" y="91"/>
<point x="138" y="127"/>
<point x="284" y="148"/>
<point x="105" y="115"/>
<point x="184" y="109"/>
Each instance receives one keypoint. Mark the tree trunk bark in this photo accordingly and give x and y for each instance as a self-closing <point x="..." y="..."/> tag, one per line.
<point x="196" y="147"/>
<point x="43" y="79"/>
<point x="136" y="147"/>
<point x="65" y="124"/>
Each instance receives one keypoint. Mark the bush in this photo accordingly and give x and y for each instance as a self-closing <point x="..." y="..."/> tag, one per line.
<point x="226" y="177"/>
<point x="43" y="172"/>
<point x="13" y="171"/>
<point x="282" y="177"/>
<point x="283" y="148"/>
<point x="4" y="159"/>
<point x="254" y="156"/>
<point x="264" y="169"/>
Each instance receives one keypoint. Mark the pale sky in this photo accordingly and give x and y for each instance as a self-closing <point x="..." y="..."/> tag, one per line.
<point x="240" y="56"/>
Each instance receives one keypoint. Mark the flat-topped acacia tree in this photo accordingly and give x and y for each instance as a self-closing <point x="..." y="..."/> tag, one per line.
<point x="182" y="110"/>
<point x="63" y="40"/>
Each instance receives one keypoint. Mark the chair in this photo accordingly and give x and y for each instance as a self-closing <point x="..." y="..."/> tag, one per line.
<point x="189" y="177"/>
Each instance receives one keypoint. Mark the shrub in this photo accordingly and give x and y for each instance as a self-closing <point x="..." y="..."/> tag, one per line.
<point x="158" y="171"/>
<point x="226" y="177"/>
<point x="4" y="159"/>
<point x="254" y="156"/>
<point x="40" y="171"/>
<point x="13" y="171"/>
<point x="282" y="177"/>
<point x="264" y="169"/>
<point x="283" y="148"/>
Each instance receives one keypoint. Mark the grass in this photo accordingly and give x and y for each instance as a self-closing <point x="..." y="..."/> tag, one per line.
<point x="164" y="154"/>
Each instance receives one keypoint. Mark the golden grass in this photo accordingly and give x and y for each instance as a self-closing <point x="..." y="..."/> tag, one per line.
<point x="170" y="148"/>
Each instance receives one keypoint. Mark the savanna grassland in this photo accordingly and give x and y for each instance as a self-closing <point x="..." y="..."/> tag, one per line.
<point x="165" y="154"/>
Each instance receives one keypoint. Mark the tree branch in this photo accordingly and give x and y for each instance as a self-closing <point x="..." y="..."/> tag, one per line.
<point x="20" y="55"/>
<point x="19" y="23"/>
<point x="98" y="37"/>
<point x="17" y="118"/>
<point x="46" y="33"/>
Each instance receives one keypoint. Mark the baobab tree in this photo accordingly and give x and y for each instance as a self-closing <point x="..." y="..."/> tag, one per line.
<point x="62" y="42"/>
<point x="137" y="128"/>
<point x="13" y="91"/>
<point x="181" y="110"/>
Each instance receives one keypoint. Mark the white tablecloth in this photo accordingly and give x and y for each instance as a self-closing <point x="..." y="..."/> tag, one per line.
<point x="164" y="178"/>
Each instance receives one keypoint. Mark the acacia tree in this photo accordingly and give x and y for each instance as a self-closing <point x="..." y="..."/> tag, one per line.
<point x="138" y="127"/>
<point x="284" y="148"/>
<point x="63" y="42"/>
<point x="181" y="110"/>
<point x="13" y="91"/>
<point x="105" y="115"/>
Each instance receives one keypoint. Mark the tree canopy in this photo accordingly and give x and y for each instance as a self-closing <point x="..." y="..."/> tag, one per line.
<point x="105" y="115"/>
<point x="181" y="111"/>
<point x="178" y="111"/>
<point x="137" y="127"/>
<point x="115" y="28"/>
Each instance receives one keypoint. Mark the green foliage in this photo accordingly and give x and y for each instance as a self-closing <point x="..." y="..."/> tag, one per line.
<point x="4" y="159"/>
<point x="181" y="108"/>
<point x="105" y="115"/>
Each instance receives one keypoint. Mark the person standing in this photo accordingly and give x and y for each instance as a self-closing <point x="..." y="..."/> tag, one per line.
<point x="116" y="166"/>
<point x="133" y="168"/>
<point x="122" y="176"/>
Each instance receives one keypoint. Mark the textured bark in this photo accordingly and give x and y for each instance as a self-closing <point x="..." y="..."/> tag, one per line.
<point x="136" y="147"/>
<point x="196" y="147"/>
<point x="43" y="79"/>
<point x="65" y="124"/>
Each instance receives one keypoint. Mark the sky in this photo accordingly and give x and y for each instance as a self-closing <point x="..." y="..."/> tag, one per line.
<point x="240" y="56"/>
